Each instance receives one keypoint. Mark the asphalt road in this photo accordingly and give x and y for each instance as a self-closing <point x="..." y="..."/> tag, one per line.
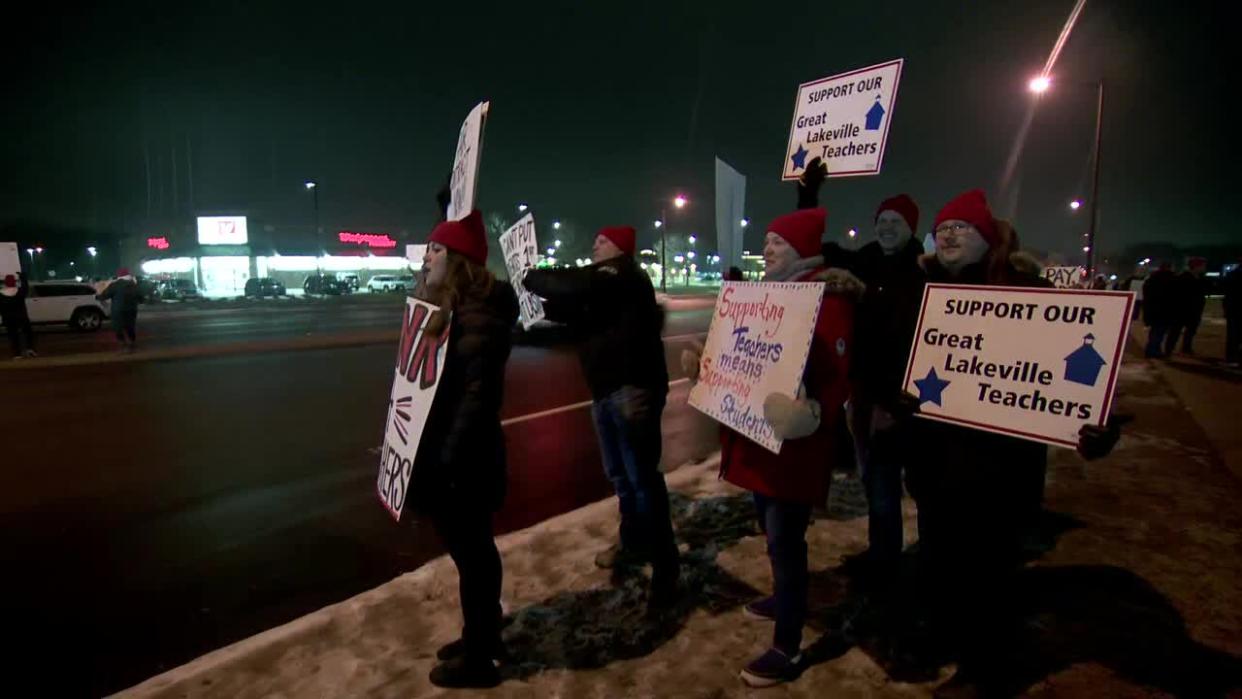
<point x="152" y="511"/>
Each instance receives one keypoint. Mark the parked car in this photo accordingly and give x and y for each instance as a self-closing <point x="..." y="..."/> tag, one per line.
<point x="384" y="283"/>
<point x="67" y="303"/>
<point x="323" y="284"/>
<point x="178" y="290"/>
<point x="260" y="287"/>
<point x="408" y="283"/>
<point x="350" y="280"/>
<point x="148" y="289"/>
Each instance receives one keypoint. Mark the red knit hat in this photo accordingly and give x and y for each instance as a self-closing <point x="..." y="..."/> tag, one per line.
<point x="904" y="205"/>
<point x="971" y="207"/>
<point x="803" y="230"/>
<point x="621" y="236"/>
<point x="122" y="272"/>
<point x="466" y="237"/>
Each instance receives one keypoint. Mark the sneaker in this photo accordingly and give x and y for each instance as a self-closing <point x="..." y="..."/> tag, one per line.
<point x="31" y="353"/>
<point x="761" y="609"/>
<point x="617" y="557"/>
<point x="665" y="589"/>
<point x="464" y="672"/>
<point x="456" y="649"/>
<point x="772" y="668"/>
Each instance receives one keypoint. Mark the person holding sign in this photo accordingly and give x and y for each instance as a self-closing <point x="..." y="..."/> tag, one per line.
<point x="787" y="485"/>
<point x="973" y="487"/>
<point x="613" y="304"/>
<point x="459" y="473"/>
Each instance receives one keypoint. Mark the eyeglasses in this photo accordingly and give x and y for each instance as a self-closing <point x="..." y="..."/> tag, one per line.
<point x="955" y="228"/>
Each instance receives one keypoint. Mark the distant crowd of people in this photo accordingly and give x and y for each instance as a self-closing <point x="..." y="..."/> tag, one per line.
<point x="123" y="292"/>
<point x="978" y="493"/>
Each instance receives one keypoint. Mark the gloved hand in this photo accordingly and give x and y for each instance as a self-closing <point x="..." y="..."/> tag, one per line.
<point x="841" y="281"/>
<point x="1095" y="442"/>
<point x="691" y="358"/>
<point x="810" y="182"/>
<point x="791" y="418"/>
<point x="904" y="406"/>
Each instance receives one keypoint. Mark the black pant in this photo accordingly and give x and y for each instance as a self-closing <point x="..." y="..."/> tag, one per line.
<point x="17" y="327"/>
<point x="126" y="326"/>
<point x="1233" y="338"/>
<point x="467" y="534"/>
<point x="1187" y="333"/>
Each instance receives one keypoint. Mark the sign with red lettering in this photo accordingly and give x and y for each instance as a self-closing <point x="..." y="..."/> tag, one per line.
<point x="758" y="344"/>
<point x="1036" y="364"/>
<point x="160" y="243"/>
<point x="420" y="363"/>
<point x="370" y="240"/>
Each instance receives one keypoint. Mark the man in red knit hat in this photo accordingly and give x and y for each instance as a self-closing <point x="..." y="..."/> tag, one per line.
<point x="786" y="486"/>
<point x="613" y="305"/>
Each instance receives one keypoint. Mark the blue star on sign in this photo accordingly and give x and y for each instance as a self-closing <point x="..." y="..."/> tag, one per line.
<point x="799" y="158"/>
<point x="930" y="387"/>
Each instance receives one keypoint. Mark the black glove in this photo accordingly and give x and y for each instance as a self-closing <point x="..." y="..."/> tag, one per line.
<point x="904" y="406"/>
<point x="1095" y="442"/>
<point x="810" y="182"/>
<point x="445" y="196"/>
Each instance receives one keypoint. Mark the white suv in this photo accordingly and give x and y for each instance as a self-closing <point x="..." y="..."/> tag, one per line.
<point x="384" y="282"/>
<point x="66" y="302"/>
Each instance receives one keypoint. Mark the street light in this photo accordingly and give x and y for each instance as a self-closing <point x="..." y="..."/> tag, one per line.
<point x="551" y="251"/>
<point x="522" y="208"/>
<point x="690" y="254"/>
<point x="1075" y="205"/>
<point x="313" y="188"/>
<point x="659" y="224"/>
<point x="679" y="201"/>
<point x="693" y="240"/>
<point x="1039" y="85"/>
<point x="557" y="243"/>
<point x="745" y="222"/>
<point x="556" y="225"/>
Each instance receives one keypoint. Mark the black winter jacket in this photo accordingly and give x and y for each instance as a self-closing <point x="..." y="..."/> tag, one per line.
<point x="461" y="458"/>
<point x="612" y="307"/>
<point x="885" y="321"/>
<point x="14" y="307"/>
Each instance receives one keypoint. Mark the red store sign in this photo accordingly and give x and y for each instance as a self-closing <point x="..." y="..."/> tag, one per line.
<point x="160" y="243"/>
<point x="370" y="240"/>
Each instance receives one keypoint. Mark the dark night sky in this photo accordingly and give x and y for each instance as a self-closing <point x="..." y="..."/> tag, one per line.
<point x="601" y="109"/>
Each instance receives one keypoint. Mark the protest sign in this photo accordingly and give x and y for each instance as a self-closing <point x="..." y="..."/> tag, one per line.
<point x="420" y="362"/>
<point x="1031" y="363"/>
<point x="1064" y="277"/>
<point x="757" y="344"/>
<point x="465" y="175"/>
<point x="844" y="120"/>
<point x="10" y="262"/>
<point x="521" y="252"/>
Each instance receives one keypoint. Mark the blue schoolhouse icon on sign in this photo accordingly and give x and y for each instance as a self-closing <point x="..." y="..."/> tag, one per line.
<point x="1083" y="364"/>
<point x="875" y="115"/>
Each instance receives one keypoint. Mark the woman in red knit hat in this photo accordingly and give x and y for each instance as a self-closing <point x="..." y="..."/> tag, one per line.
<point x="459" y="474"/>
<point x="786" y="486"/>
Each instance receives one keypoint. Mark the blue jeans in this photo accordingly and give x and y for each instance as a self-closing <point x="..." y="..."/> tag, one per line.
<point x="885" y="458"/>
<point x="784" y="523"/>
<point x="628" y="425"/>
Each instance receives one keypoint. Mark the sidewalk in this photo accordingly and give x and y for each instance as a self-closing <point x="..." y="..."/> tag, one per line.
<point x="1139" y="597"/>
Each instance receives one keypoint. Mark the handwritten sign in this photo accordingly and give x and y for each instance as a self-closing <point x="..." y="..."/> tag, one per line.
<point x="758" y="344"/>
<point x="1065" y="277"/>
<point x="420" y="363"/>
<point x="521" y="252"/>
<point x="465" y="175"/>
<point x="1031" y="363"/>
<point x="10" y="262"/>
<point x="844" y="120"/>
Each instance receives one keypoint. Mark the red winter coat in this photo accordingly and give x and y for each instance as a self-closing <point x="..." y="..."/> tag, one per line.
<point x="803" y="469"/>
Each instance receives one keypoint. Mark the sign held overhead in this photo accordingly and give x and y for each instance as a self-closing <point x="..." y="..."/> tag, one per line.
<point x="465" y="177"/>
<point x="843" y="120"/>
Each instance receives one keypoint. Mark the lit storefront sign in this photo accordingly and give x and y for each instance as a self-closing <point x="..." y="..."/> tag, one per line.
<point x="222" y="230"/>
<point x="160" y="243"/>
<point x="370" y="240"/>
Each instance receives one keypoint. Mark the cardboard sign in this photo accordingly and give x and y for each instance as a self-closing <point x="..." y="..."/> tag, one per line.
<point x="1064" y="277"/>
<point x="844" y="120"/>
<point x="420" y="363"/>
<point x="1031" y="363"/>
<point x="10" y="261"/>
<point x="466" y="163"/>
<point x="521" y="252"/>
<point x="758" y="344"/>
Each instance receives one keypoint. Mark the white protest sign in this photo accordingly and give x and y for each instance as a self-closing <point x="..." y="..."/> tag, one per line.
<point x="466" y="163"/>
<point x="1032" y="363"/>
<point x="1064" y="277"/>
<point x="758" y="344"/>
<point x="420" y="363"/>
<point x="844" y="120"/>
<point x="10" y="262"/>
<point x="521" y="252"/>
